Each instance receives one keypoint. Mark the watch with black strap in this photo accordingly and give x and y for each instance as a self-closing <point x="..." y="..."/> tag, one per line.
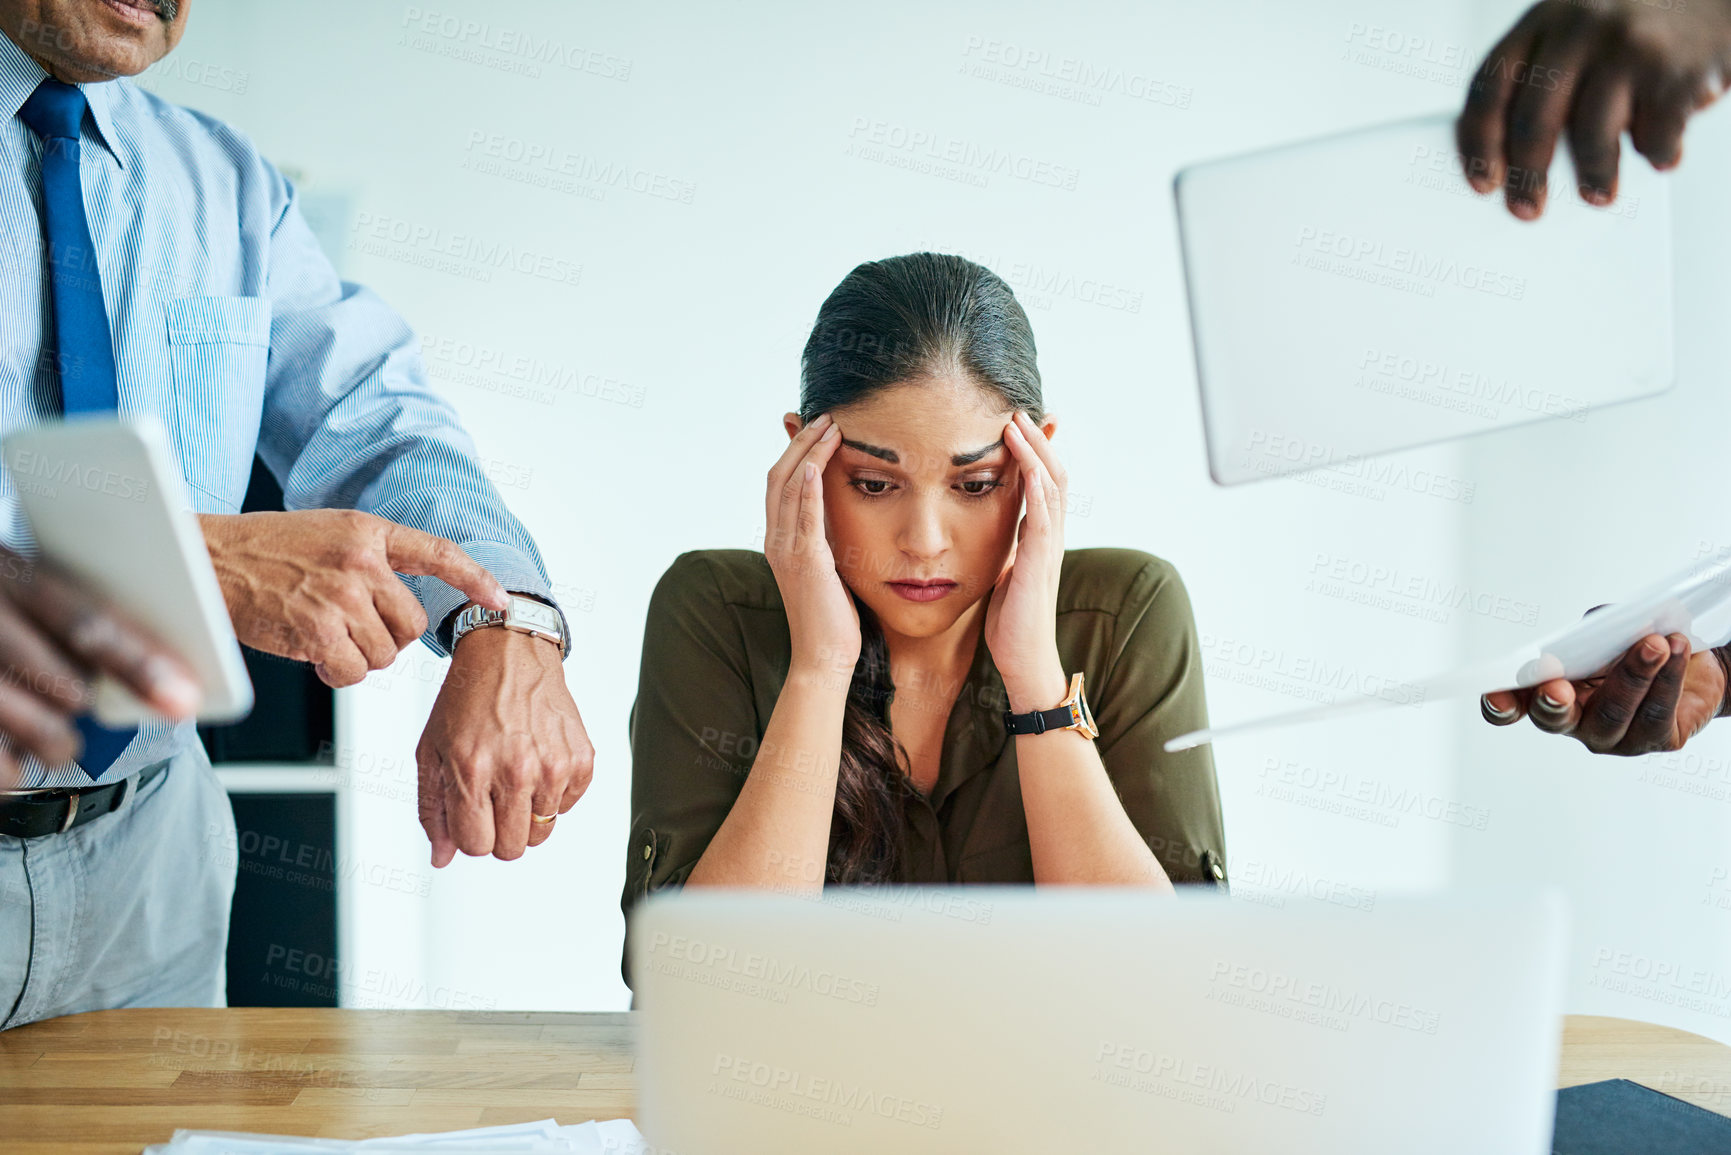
<point x="1070" y="714"/>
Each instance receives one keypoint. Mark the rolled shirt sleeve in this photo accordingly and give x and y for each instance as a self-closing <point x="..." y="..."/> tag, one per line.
<point x="351" y="422"/>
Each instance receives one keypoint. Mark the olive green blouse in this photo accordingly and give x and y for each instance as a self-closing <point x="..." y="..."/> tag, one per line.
<point x="716" y="651"/>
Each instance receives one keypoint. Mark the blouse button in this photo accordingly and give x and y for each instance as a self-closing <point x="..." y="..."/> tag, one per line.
<point x="1211" y="863"/>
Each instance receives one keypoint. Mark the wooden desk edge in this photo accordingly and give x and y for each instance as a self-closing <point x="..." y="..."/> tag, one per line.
<point x="105" y="1082"/>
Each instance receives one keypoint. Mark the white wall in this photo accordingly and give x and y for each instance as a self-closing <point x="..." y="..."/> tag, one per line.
<point x="694" y="313"/>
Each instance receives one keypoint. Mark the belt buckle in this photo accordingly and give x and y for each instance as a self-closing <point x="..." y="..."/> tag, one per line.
<point x="71" y="813"/>
<point x="120" y="797"/>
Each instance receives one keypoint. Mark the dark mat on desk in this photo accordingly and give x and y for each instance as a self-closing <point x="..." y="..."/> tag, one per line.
<point x="1618" y="1117"/>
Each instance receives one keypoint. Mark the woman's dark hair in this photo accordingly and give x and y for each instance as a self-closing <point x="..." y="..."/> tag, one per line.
<point x="887" y="323"/>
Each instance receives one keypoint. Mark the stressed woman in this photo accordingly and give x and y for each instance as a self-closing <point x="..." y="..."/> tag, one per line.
<point x="916" y="682"/>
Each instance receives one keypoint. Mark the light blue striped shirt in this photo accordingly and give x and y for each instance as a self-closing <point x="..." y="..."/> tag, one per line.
<point x="231" y="326"/>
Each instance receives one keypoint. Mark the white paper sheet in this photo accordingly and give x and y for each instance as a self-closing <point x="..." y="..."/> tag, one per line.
<point x="546" y="1137"/>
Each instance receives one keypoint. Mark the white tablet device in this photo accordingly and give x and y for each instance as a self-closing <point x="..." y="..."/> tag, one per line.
<point x="1353" y="296"/>
<point x="106" y="502"/>
<point x="1695" y="602"/>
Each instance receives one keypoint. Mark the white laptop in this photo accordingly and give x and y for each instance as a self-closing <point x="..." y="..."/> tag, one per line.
<point x="1353" y="296"/>
<point x="1012" y="1021"/>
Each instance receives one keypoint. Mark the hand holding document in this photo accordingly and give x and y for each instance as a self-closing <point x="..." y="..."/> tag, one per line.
<point x="1695" y="602"/>
<point x="612" y="1137"/>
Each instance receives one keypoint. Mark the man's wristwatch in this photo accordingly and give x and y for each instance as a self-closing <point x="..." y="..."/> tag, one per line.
<point x="1070" y="714"/>
<point x="525" y="615"/>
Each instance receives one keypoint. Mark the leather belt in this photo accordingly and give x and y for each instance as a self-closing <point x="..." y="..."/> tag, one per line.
<point x="39" y="813"/>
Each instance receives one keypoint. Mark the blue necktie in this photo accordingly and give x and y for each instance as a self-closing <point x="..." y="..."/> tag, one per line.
<point x="82" y="346"/>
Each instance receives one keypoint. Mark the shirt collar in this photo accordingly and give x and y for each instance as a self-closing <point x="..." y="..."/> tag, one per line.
<point x="20" y="76"/>
<point x="101" y="98"/>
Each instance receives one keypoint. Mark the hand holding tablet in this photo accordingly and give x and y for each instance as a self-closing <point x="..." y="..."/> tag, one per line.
<point x="1659" y="694"/>
<point x="1613" y="692"/>
<point x="54" y="635"/>
<point x="109" y="509"/>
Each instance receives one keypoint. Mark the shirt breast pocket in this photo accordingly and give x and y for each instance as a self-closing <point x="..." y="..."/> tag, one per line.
<point x="218" y="348"/>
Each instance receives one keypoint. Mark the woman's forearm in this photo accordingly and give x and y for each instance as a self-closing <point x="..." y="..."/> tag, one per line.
<point x="1077" y="829"/>
<point x="777" y="834"/>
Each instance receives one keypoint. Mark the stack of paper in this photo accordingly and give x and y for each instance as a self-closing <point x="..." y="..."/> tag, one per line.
<point x="613" y="1137"/>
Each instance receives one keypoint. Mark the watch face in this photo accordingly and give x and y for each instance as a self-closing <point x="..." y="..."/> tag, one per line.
<point x="532" y="613"/>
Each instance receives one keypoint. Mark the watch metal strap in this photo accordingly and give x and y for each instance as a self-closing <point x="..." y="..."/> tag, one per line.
<point x="474" y="617"/>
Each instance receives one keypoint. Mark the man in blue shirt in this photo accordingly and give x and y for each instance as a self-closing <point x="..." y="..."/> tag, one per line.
<point x="152" y="262"/>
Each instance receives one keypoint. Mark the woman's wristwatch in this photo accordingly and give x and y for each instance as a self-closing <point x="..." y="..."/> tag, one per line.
<point x="1070" y="714"/>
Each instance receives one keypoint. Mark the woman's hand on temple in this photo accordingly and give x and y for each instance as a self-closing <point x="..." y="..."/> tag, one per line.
<point x="821" y="616"/>
<point x="1022" y="619"/>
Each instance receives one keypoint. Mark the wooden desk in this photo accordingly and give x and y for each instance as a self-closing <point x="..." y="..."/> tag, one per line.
<point x="111" y="1082"/>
